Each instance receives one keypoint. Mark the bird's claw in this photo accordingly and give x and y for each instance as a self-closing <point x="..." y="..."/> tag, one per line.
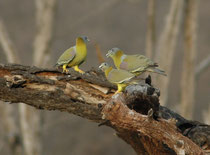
<point x="117" y="92"/>
<point x="65" y="71"/>
<point x="80" y="71"/>
<point x="76" y="68"/>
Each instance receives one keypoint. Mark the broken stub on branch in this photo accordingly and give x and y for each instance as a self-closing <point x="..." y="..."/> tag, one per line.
<point x="136" y="117"/>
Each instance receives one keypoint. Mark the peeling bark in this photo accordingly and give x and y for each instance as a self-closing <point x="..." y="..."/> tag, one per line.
<point x="136" y="114"/>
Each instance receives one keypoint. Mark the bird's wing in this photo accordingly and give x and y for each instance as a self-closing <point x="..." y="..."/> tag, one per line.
<point x="67" y="56"/>
<point x="119" y="76"/>
<point x="135" y="63"/>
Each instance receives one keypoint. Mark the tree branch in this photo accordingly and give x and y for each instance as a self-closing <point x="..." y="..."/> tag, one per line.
<point x="77" y="96"/>
<point x="135" y="115"/>
<point x="123" y="120"/>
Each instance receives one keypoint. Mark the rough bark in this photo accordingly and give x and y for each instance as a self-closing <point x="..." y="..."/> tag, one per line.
<point x="136" y="115"/>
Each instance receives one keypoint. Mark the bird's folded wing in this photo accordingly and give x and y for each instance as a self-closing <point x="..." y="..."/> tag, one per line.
<point x="119" y="76"/>
<point x="134" y="63"/>
<point x="67" y="56"/>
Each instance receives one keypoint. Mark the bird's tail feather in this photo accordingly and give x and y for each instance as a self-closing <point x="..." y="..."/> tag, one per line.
<point x="157" y="70"/>
<point x="56" y="65"/>
<point x="136" y="80"/>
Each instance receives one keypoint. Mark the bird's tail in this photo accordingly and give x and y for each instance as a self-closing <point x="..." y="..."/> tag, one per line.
<point x="157" y="70"/>
<point x="135" y="80"/>
<point x="56" y="65"/>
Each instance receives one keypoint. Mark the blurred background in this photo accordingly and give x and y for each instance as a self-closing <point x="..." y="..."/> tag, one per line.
<point x="174" y="33"/>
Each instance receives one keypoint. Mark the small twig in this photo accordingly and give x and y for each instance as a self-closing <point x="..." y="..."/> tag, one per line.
<point x="99" y="53"/>
<point x="202" y="66"/>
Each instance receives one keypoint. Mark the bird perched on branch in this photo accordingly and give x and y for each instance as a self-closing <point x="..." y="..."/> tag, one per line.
<point x="74" y="56"/>
<point x="120" y="77"/>
<point x="135" y="64"/>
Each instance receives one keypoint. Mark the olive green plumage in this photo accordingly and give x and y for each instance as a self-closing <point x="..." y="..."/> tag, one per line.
<point x="74" y="56"/>
<point x="135" y="64"/>
<point x="119" y="77"/>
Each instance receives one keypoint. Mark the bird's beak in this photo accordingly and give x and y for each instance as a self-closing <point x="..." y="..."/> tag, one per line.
<point x="100" y="66"/>
<point x="88" y="39"/>
<point x="108" y="54"/>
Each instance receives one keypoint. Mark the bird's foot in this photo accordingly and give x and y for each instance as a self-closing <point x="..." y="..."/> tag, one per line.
<point x="65" y="70"/>
<point x="81" y="71"/>
<point x="76" y="68"/>
<point x="117" y="92"/>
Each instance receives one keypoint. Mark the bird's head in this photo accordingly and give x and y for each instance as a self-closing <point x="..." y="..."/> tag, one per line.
<point x="114" y="52"/>
<point x="84" y="39"/>
<point x="104" y="66"/>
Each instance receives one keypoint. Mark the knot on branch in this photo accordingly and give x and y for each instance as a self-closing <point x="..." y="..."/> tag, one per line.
<point x="142" y="98"/>
<point x="15" y="81"/>
<point x="131" y="115"/>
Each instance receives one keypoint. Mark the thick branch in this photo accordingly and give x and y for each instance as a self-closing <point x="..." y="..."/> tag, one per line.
<point x="138" y="119"/>
<point x="149" y="131"/>
<point x="54" y="90"/>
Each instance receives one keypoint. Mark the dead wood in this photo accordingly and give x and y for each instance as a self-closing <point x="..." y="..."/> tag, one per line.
<point x="136" y="114"/>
